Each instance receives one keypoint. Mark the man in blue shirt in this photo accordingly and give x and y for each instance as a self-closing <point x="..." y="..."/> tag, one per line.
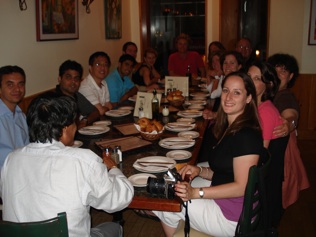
<point x="13" y="127"/>
<point x="120" y="85"/>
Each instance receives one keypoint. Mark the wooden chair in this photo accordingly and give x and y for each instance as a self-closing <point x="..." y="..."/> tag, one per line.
<point x="254" y="213"/>
<point x="55" y="227"/>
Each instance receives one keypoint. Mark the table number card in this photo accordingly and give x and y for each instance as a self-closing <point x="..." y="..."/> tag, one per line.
<point x="143" y="99"/>
<point x="180" y="83"/>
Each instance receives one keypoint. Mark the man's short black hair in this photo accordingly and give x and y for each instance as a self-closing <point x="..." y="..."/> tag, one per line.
<point x="127" y="57"/>
<point x="48" y="114"/>
<point x="5" y="70"/>
<point x="98" y="54"/>
<point x="70" y="65"/>
<point x="128" y="44"/>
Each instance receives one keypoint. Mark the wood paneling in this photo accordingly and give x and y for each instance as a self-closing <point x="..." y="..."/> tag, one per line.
<point x="24" y="104"/>
<point x="304" y="90"/>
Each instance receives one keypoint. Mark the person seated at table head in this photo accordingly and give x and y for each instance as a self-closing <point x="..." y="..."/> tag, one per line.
<point x="69" y="79"/>
<point x="244" y="46"/>
<point x="13" y="127"/>
<point x="120" y="85"/>
<point x="93" y="87"/>
<point x="215" y="209"/>
<point x="47" y="176"/>
<point x="131" y="49"/>
<point x="147" y="76"/>
<point x="179" y="61"/>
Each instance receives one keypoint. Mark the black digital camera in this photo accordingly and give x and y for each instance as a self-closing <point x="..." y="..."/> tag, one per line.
<point x="164" y="187"/>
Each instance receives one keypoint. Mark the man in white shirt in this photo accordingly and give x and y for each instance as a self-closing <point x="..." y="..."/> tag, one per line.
<point x="48" y="176"/>
<point x="93" y="87"/>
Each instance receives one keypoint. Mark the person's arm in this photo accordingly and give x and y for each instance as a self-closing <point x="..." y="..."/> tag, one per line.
<point x="145" y="73"/>
<point x="103" y="109"/>
<point x="129" y="93"/>
<point x="230" y="190"/>
<point x="290" y="119"/>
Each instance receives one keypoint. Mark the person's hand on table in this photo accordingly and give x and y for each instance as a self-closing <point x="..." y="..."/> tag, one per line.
<point x="209" y="114"/>
<point x="283" y="129"/>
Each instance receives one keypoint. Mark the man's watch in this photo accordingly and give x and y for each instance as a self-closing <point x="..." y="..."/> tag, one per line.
<point x="201" y="193"/>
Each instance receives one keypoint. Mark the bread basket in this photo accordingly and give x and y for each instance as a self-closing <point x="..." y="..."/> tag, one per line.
<point x="176" y="103"/>
<point x="153" y="136"/>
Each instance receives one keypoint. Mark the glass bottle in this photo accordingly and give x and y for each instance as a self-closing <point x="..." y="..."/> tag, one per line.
<point x="119" y="152"/>
<point x="155" y="105"/>
<point x="188" y="73"/>
<point x="115" y="156"/>
<point x="106" y="154"/>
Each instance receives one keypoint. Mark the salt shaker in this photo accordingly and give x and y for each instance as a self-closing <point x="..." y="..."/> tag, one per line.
<point x="115" y="156"/>
<point x="119" y="152"/>
<point x="141" y="113"/>
<point x="165" y="111"/>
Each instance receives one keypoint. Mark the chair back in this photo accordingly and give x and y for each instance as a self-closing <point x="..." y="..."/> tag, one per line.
<point x="254" y="213"/>
<point x="55" y="227"/>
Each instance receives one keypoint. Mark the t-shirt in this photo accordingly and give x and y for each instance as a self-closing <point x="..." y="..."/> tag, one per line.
<point x="118" y="86"/>
<point x="179" y="65"/>
<point x="285" y="99"/>
<point x="138" y="79"/>
<point x="244" y="142"/>
<point x="269" y="119"/>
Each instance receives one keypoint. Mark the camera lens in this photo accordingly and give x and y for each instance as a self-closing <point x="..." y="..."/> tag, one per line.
<point x="156" y="186"/>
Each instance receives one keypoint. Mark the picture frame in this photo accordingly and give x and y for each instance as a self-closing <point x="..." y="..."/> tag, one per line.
<point x="56" y="20"/>
<point x="113" y="19"/>
<point x="312" y="24"/>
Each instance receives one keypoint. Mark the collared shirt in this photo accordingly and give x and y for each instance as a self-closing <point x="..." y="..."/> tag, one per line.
<point x="42" y="179"/>
<point x="118" y="86"/>
<point x="93" y="92"/>
<point x="13" y="130"/>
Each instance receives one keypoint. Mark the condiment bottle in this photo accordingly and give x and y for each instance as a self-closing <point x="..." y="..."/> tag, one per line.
<point x="106" y="154"/>
<point x="119" y="152"/>
<point x="115" y="156"/>
<point x="141" y="113"/>
<point x="155" y="105"/>
<point x="165" y="111"/>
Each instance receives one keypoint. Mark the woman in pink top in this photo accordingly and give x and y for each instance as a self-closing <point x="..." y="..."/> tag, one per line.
<point x="267" y="84"/>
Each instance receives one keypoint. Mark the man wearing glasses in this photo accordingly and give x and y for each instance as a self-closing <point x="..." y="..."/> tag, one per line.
<point x="93" y="87"/>
<point x="244" y="47"/>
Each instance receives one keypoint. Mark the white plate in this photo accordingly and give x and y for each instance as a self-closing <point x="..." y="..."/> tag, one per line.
<point x="77" y="143"/>
<point x="176" y="143"/>
<point x="202" y="85"/>
<point x="186" y="120"/>
<point x="200" y="94"/>
<point x="103" y="123"/>
<point x="133" y="98"/>
<point x="155" y="168"/>
<point x="93" y="130"/>
<point x="117" y="113"/>
<point x="140" y="180"/>
<point x="189" y="134"/>
<point x="190" y="114"/>
<point x="179" y="154"/>
<point x="126" y="108"/>
<point x="179" y="126"/>
<point x="195" y="102"/>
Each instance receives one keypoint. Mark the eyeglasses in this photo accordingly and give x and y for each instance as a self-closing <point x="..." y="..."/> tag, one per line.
<point x="244" y="47"/>
<point x="102" y="65"/>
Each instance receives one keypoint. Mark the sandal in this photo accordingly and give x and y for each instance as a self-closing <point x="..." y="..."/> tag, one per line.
<point x="146" y="214"/>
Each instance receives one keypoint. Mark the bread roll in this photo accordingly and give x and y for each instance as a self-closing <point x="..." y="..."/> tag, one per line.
<point x="143" y="123"/>
<point x="158" y="125"/>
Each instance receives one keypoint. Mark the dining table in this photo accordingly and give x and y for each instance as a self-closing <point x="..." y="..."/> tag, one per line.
<point x="132" y="152"/>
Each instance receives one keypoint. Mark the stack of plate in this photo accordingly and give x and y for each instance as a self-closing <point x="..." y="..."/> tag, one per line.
<point x="190" y="113"/>
<point x="117" y="113"/>
<point x="94" y="130"/>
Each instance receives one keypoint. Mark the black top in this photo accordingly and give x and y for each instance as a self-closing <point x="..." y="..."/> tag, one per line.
<point x="244" y="142"/>
<point x="138" y="79"/>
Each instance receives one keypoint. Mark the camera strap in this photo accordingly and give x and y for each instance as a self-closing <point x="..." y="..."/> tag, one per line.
<point x="187" y="219"/>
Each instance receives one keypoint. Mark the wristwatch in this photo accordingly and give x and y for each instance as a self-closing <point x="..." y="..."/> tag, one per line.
<point x="201" y="193"/>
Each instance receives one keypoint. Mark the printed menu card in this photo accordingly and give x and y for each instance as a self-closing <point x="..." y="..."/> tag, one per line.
<point x="143" y="100"/>
<point x="179" y="83"/>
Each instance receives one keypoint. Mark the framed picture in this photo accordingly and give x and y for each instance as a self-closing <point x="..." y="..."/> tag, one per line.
<point x="113" y="19"/>
<point x="312" y="24"/>
<point x="56" y="20"/>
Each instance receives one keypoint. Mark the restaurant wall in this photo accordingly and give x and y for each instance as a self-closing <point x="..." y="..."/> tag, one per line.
<point x="41" y="60"/>
<point x="289" y="27"/>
